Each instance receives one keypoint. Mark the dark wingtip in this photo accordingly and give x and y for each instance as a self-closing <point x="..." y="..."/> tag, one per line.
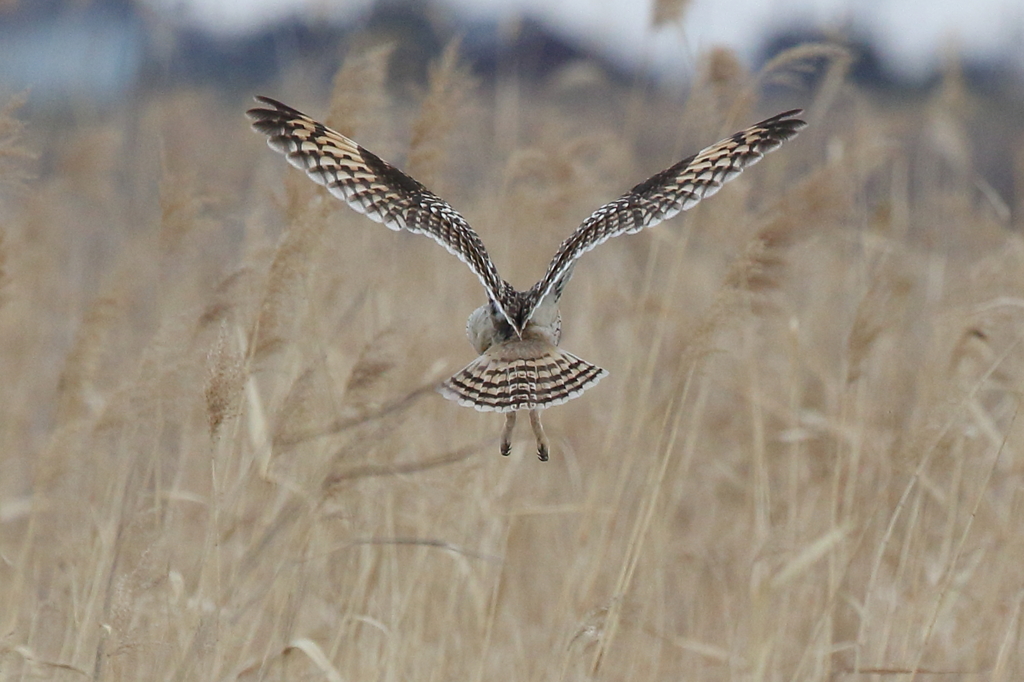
<point x="784" y="116"/>
<point x="276" y="110"/>
<point x="270" y="101"/>
<point x="784" y="126"/>
<point x="790" y="117"/>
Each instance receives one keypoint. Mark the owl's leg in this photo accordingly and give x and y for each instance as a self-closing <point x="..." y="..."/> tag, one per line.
<point x="538" y="431"/>
<point x="506" y="433"/>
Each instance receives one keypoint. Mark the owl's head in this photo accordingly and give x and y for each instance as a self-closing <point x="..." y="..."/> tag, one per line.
<point x="481" y="328"/>
<point x="487" y="325"/>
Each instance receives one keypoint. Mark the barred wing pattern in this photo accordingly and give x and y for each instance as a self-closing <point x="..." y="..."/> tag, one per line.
<point x="374" y="187"/>
<point x="664" y="195"/>
<point x="520" y="366"/>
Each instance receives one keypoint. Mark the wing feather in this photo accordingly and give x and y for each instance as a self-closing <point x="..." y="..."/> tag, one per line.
<point x="375" y="188"/>
<point x="664" y="195"/>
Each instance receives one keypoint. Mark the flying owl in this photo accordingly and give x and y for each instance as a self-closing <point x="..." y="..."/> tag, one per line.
<point x="516" y="333"/>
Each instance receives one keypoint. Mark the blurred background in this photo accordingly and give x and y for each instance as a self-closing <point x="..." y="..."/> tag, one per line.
<point x="221" y="454"/>
<point x="103" y="50"/>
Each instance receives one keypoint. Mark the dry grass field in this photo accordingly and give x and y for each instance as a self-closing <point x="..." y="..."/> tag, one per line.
<point x="223" y="458"/>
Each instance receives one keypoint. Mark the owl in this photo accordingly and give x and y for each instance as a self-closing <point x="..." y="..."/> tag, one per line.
<point x="516" y="334"/>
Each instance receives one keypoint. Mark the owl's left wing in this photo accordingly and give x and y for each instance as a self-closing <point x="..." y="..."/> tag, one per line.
<point x="377" y="189"/>
<point x="664" y="195"/>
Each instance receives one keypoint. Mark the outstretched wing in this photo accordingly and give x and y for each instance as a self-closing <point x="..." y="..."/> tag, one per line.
<point x="372" y="186"/>
<point x="664" y="195"/>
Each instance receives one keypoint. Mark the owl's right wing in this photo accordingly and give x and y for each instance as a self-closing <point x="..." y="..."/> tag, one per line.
<point x="374" y="187"/>
<point x="664" y="195"/>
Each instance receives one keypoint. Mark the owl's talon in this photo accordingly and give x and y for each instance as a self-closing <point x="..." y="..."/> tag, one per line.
<point x="506" y="433"/>
<point x="538" y="431"/>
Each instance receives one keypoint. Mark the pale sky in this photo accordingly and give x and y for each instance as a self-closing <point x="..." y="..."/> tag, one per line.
<point x="914" y="34"/>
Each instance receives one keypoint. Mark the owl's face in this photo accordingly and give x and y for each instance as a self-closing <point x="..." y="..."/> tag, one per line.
<point x="482" y="328"/>
<point x="547" y="320"/>
<point x="486" y="326"/>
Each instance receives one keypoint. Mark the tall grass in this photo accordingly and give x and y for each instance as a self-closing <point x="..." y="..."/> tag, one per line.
<point x="223" y="458"/>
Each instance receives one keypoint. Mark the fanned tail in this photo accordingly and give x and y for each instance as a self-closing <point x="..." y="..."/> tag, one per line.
<point x="521" y="375"/>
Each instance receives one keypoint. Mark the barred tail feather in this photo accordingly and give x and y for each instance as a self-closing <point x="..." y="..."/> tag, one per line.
<point x="521" y="376"/>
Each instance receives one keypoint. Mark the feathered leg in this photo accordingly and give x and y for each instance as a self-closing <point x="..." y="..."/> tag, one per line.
<point x="506" y="433"/>
<point x="538" y="431"/>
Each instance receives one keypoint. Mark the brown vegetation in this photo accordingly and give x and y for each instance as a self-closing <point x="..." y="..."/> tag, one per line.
<point x="222" y="458"/>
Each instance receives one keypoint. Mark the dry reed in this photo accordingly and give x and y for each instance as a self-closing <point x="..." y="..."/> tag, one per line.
<point x="804" y="465"/>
